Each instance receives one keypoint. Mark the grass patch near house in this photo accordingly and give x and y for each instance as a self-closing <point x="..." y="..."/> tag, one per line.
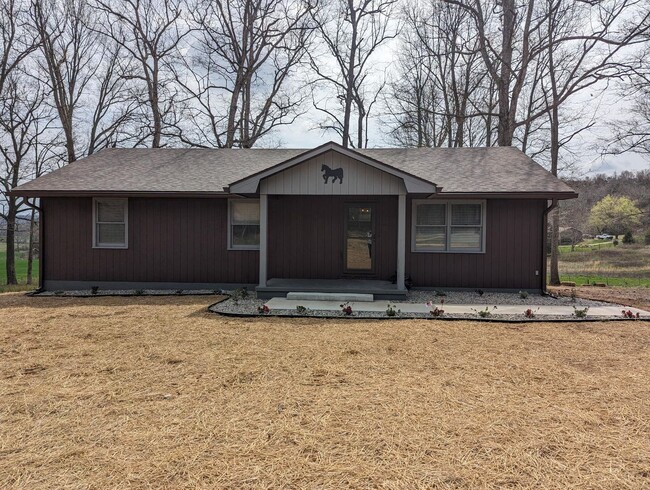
<point x="146" y="391"/>
<point x="21" y="272"/>
<point x="588" y="280"/>
<point x="623" y="265"/>
<point x="587" y="246"/>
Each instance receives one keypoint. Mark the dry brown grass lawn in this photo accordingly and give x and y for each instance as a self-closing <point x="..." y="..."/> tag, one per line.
<point x="156" y="392"/>
<point x="638" y="297"/>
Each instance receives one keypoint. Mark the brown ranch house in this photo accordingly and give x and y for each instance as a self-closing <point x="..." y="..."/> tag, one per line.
<point x="327" y="219"/>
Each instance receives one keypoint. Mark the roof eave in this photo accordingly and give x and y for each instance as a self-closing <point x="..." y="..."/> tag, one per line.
<point x="32" y="193"/>
<point x="513" y="195"/>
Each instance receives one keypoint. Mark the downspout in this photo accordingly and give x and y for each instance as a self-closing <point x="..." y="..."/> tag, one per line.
<point x="547" y="210"/>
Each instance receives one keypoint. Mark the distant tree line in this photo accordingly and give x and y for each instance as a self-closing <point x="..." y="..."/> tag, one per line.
<point x="632" y="185"/>
<point x="77" y="76"/>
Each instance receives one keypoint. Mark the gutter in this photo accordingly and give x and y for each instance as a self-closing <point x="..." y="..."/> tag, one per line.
<point x="547" y="210"/>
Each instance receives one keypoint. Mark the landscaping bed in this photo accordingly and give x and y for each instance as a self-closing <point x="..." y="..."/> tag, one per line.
<point x="485" y="306"/>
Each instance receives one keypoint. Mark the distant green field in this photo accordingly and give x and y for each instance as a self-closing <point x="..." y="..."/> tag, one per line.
<point x="21" y="272"/>
<point x="643" y="282"/>
<point x="622" y="265"/>
<point x="587" y="246"/>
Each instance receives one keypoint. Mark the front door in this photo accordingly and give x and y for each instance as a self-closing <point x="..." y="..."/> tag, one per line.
<point x="359" y="235"/>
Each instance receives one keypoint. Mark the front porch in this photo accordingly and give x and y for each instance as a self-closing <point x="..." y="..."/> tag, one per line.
<point x="275" y="288"/>
<point x="332" y="221"/>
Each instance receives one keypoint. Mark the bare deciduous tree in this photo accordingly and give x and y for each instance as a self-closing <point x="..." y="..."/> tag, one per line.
<point x="440" y="86"/>
<point x="23" y="118"/>
<point x="351" y="31"/>
<point x="68" y="46"/>
<point x="632" y="133"/>
<point x="149" y="31"/>
<point x="238" y="72"/>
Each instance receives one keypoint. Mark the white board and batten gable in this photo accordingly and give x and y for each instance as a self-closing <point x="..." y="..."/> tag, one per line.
<point x="332" y="171"/>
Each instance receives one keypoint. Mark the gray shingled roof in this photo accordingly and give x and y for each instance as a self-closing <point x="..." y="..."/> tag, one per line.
<point x="456" y="170"/>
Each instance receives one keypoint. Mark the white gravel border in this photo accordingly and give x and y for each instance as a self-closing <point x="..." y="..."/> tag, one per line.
<point x="249" y="307"/>
<point x="84" y="293"/>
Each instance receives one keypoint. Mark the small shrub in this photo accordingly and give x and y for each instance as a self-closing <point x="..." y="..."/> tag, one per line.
<point x="615" y="242"/>
<point x="238" y="294"/>
<point x="178" y="292"/>
<point x="263" y="310"/>
<point x="523" y="294"/>
<point x="346" y="308"/>
<point x="580" y="312"/>
<point x="94" y="289"/>
<point x="630" y="315"/>
<point x="485" y="313"/>
<point x="628" y="238"/>
<point x="391" y="311"/>
<point x="138" y="292"/>
<point x="437" y="312"/>
<point x="302" y="310"/>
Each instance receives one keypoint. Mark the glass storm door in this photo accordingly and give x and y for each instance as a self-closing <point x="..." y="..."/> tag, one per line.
<point x="359" y="238"/>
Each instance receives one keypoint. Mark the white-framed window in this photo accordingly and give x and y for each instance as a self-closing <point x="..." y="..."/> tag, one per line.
<point x="243" y="224"/>
<point x="448" y="226"/>
<point x="110" y="222"/>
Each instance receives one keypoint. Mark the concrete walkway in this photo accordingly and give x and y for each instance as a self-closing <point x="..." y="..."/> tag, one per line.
<point x="451" y="309"/>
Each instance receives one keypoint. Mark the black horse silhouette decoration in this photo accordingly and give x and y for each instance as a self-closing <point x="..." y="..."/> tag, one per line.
<point x="335" y="173"/>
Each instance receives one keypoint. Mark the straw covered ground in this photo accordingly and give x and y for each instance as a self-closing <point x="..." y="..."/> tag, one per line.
<point x="157" y="392"/>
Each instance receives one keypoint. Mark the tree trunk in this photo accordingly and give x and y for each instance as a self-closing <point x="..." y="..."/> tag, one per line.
<point x="11" y="241"/>
<point x="30" y="252"/>
<point x="360" y="127"/>
<point x="349" y="89"/>
<point x="506" y="130"/>
<point x="555" y="251"/>
<point x="555" y="219"/>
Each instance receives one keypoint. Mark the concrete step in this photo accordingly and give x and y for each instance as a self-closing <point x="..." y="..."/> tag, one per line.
<point x="316" y="296"/>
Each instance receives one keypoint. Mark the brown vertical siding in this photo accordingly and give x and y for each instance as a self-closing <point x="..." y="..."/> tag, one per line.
<point x="185" y="240"/>
<point x="513" y="252"/>
<point x="170" y="240"/>
<point x="307" y="236"/>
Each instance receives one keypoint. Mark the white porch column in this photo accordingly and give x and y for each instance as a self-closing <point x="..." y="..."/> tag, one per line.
<point x="401" y="240"/>
<point x="264" y="245"/>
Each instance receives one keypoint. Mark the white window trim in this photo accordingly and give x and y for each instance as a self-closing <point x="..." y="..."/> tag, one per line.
<point x="230" y="210"/>
<point x="125" y="204"/>
<point x="448" y="224"/>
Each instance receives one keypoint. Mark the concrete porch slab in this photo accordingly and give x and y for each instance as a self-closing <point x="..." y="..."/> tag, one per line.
<point x="277" y="287"/>
<point x="381" y="305"/>
<point x="357" y="297"/>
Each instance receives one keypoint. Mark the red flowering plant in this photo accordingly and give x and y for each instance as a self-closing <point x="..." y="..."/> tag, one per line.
<point x="629" y="314"/>
<point x="264" y="309"/>
<point x="434" y="310"/>
<point x="529" y="313"/>
<point x="346" y="308"/>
